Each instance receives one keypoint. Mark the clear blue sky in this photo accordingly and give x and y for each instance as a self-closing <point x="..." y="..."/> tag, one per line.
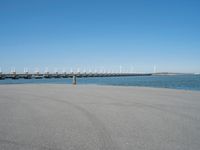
<point x="100" y="33"/>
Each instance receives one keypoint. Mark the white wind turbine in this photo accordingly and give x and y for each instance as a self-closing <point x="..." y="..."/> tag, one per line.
<point x="78" y="70"/>
<point x="63" y="71"/>
<point x="154" y="69"/>
<point x="120" y="69"/>
<point x="46" y="71"/>
<point x="13" y="71"/>
<point x="37" y="71"/>
<point x="95" y="71"/>
<point x="71" y="71"/>
<point x="56" y="71"/>
<point x="132" y="69"/>
<point x="90" y="71"/>
<point x="26" y="70"/>
<point x="84" y="71"/>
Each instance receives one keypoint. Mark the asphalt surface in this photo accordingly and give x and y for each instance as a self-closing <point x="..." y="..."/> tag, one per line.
<point x="88" y="117"/>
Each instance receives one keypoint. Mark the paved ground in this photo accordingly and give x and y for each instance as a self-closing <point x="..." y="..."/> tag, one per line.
<point x="65" y="117"/>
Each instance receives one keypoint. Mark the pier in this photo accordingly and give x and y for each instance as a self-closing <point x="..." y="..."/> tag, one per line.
<point x="72" y="75"/>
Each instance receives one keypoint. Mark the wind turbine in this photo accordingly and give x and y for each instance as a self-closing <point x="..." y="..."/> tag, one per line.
<point x="154" y="69"/>
<point x="63" y="71"/>
<point x="56" y="71"/>
<point x="13" y="70"/>
<point x="26" y="70"/>
<point x="95" y="71"/>
<point x="71" y="71"/>
<point x="90" y="71"/>
<point x="84" y="71"/>
<point x="120" y="69"/>
<point x="101" y="70"/>
<point x="132" y="69"/>
<point x="78" y="70"/>
<point x="46" y="71"/>
<point x="37" y="71"/>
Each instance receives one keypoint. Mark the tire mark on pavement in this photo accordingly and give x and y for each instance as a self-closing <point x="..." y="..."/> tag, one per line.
<point x="27" y="145"/>
<point x="105" y="140"/>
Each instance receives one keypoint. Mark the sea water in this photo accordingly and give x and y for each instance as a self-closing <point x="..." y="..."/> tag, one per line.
<point x="185" y="82"/>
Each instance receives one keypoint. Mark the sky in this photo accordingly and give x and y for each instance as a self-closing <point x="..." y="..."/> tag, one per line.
<point x="100" y="34"/>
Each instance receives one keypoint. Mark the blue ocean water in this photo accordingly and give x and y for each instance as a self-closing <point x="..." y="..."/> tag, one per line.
<point x="185" y="82"/>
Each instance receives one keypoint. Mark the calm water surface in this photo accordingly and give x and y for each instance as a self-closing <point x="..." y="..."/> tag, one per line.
<point x="186" y="82"/>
